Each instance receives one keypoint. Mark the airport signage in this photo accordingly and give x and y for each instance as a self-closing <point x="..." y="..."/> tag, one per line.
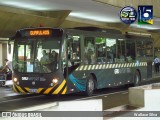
<point x="145" y="14"/>
<point x="128" y="14"/>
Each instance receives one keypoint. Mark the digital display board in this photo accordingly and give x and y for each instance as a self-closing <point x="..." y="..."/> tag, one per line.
<point x="39" y="32"/>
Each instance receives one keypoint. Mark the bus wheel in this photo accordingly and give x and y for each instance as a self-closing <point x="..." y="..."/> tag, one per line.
<point x="136" y="79"/>
<point x="90" y="86"/>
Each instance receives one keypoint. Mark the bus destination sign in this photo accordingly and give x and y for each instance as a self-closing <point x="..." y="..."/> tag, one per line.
<point x="39" y="32"/>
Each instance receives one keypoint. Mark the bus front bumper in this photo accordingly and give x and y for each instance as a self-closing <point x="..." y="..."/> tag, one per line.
<point x="55" y="89"/>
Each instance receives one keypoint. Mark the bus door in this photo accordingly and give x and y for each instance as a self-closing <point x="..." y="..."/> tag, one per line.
<point x="121" y="59"/>
<point x="73" y="54"/>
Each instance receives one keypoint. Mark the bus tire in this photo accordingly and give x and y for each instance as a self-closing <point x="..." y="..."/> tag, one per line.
<point x="137" y="78"/>
<point x="90" y="86"/>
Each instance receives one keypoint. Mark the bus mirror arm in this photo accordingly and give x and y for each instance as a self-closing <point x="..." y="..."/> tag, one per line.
<point x="69" y="37"/>
<point x="9" y="44"/>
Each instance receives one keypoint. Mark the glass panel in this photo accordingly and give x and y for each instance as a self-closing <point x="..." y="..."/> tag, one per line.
<point x="149" y="49"/>
<point x="64" y="53"/>
<point x="140" y="49"/>
<point x="75" y="46"/>
<point x="111" y="50"/>
<point x="74" y="52"/>
<point x="89" y="52"/>
<point x="47" y="56"/>
<point x="101" y="50"/>
<point x="144" y="49"/>
<point x="130" y="51"/>
<point x="36" y="55"/>
<point x="121" y="57"/>
<point x="20" y="52"/>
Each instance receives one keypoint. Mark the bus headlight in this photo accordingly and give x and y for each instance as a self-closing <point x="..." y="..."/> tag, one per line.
<point x="15" y="79"/>
<point x="17" y="83"/>
<point x="55" y="80"/>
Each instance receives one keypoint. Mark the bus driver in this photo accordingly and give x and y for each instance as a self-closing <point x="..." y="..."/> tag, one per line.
<point x="44" y="58"/>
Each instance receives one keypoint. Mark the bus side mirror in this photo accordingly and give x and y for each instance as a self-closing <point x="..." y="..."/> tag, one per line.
<point x="69" y="37"/>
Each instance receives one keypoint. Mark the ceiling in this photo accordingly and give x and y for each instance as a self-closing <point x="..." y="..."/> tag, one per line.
<point x="105" y="11"/>
<point x="82" y="9"/>
<point x="17" y="14"/>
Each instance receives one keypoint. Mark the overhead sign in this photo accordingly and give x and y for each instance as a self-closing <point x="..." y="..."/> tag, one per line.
<point x="145" y="14"/>
<point x="128" y="15"/>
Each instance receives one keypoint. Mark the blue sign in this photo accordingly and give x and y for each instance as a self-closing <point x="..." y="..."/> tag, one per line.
<point x="128" y="15"/>
<point x="145" y="14"/>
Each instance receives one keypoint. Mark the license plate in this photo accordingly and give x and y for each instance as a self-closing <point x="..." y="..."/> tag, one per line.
<point x="33" y="90"/>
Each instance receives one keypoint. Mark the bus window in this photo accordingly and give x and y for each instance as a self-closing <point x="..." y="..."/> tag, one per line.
<point x="130" y="51"/>
<point x="63" y="53"/>
<point x="47" y="55"/>
<point x="144" y="49"/>
<point x="101" y="50"/>
<point x="140" y="49"/>
<point x="75" y="45"/>
<point x="89" y="52"/>
<point x="24" y="54"/>
<point x="110" y="50"/>
<point x="121" y="56"/>
<point x="21" y="52"/>
<point x="34" y="55"/>
<point x="149" y="49"/>
<point x="20" y="56"/>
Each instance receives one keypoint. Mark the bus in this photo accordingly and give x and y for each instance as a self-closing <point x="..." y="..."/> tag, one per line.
<point x="63" y="61"/>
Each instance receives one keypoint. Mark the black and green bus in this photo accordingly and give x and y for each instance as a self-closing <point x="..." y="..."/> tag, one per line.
<point x="63" y="61"/>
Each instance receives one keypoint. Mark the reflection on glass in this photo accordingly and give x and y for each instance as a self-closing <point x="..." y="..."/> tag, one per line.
<point x="111" y="50"/>
<point x="36" y="55"/>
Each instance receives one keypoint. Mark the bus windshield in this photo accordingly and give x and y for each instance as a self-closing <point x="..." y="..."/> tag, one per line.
<point x="36" y="55"/>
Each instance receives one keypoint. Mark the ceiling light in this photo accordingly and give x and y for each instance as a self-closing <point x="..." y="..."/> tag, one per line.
<point x="4" y="39"/>
<point x="93" y="17"/>
<point x="138" y="33"/>
<point x="148" y="27"/>
<point x="24" y="5"/>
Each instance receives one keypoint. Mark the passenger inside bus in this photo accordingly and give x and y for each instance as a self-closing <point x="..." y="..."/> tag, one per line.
<point x="69" y="60"/>
<point x="89" y="51"/>
<point x="74" y="56"/>
<point x="44" y="58"/>
<point x="44" y="61"/>
<point x="110" y="56"/>
<point x="93" y="58"/>
<point x="53" y="58"/>
<point x="72" y="64"/>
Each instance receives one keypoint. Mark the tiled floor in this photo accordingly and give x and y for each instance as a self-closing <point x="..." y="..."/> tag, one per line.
<point x="6" y="91"/>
